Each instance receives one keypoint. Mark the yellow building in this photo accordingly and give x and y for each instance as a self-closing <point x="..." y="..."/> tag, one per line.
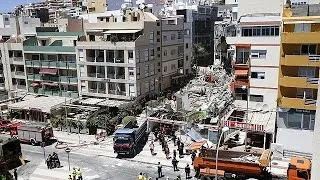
<point x="96" y="6"/>
<point x="298" y="79"/>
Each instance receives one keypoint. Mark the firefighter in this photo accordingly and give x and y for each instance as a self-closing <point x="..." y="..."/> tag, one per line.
<point x="178" y="142"/>
<point x="187" y="170"/>
<point x="56" y="160"/>
<point x="159" y="170"/>
<point x="174" y="138"/>
<point x="48" y="161"/>
<point x="174" y="153"/>
<point x="175" y="164"/>
<point x="69" y="178"/>
<point x="193" y="156"/>
<point x="74" y="174"/>
<point x="140" y="177"/>
<point x="79" y="173"/>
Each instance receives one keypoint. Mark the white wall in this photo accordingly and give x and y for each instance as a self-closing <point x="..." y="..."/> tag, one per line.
<point x="231" y="1"/>
<point x="269" y="98"/>
<point x="316" y="141"/>
<point x="271" y="77"/>
<point x="254" y="6"/>
<point x="272" y="57"/>
<point x="253" y="40"/>
<point x="295" y="140"/>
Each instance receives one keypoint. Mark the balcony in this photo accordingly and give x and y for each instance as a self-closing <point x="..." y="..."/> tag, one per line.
<point x="299" y="82"/>
<point x="51" y="64"/>
<point x="301" y="60"/>
<point x="16" y="60"/>
<point x="297" y="103"/>
<point x="300" y="37"/>
<point x="241" y="82"/>
<point x="46" y="49"/>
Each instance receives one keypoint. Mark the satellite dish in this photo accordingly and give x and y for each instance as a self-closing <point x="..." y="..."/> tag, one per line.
<point x="265" y="107"/>
<point x="259" y="106"/>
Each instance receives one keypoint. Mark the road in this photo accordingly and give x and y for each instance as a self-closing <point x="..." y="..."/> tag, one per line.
<point x="95" y="167"/>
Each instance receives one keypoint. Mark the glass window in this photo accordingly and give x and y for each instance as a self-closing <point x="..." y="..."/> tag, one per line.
<point x="294" y="120"/>
<point x="146" y="54"/>
<point x="312" y="120"/>
<point x="306" y="121"/>
<point x="165" y="53"/>
<point x="151" y="38"/>
<point x="173" y="36"/>
<point x="256" y="98"/>
<point x="164" y="37"/>
<point x="165" y="69"/>
<point x="258" y="75"/>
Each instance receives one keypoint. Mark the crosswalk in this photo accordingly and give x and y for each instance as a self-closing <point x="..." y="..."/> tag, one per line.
<point x="43" y="173"/>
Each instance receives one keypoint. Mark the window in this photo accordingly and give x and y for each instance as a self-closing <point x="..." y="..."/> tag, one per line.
<point x="131" y="73"/>
<point x="164" y="37"/>
<point x="187" y="45"/>
<point x="152" y="52"/>
<point x="171" y="21"/>
<point x="146" y="83"/>
<point x="152" y="84"/>
<point x="158" y="32"/>
<point x="309" y="49"/>
<point x="256" y="98"/>
<point x="165" y="69"/>
<point x="173" y="36"/>
<point x="132" y="90"/>
<point x="180" y="35"/>
<point x="130" y="54"/>
<point x="173" y="52"/>
<point x="138" y="72"/>
<point x="26" y="22"/>
<point x="242" y="55"/>
<point x="260" y="31"/>
<point x="6" y="19"/>
<point x="173" y="66"/>
<point x="158" y="23"/>
<point x="151" y="69"/>
<point x="258" y="75"/>
<point x="187" y="32"/>
<point x="258" y="54"/>
<point x="92" y="38"/>
<point x="302" y="27"/>
<point x="158" y="49"/>
<point x="137" y="56"/>
<point x="306" y="72"/>
<point x="165" y="53"/>
<point x="151" y="37"/>
<point x="146" y="54"/>
<point x="187" y="58"/>
<point x="146" y="70"/>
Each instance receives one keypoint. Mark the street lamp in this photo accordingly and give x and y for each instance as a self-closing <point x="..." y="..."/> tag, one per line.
<point x="247" y="117"/>
<point x="224" y="129"/>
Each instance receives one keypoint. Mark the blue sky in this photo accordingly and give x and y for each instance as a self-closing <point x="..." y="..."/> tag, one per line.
<point x="8" y="5"/>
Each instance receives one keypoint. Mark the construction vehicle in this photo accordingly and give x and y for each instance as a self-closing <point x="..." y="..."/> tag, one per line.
<point x="10" y="152"/>
<point x="243" y="165"/>
<point x="299" y="169"/>
<point x="127" y="139"/>
<point x="233" y="164"/>
<point x="34" y="133"/>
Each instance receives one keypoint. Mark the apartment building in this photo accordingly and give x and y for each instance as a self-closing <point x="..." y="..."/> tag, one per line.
<point x="13" y="30"/>
<point x="95" y="6"/>
<point x="298" y="78"/>
<point x="172" y="35"/>
<point x="120" y="58"/>
<point x="50" y="61"/>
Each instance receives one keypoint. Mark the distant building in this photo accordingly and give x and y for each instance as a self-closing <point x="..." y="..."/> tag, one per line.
<point x="95" y="6"/>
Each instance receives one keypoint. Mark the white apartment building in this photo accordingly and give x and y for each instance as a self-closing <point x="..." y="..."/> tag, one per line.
<point x="255" y="55"/>
<point x="12" y="33"/>
<point x="120" y="60"/>
<point x="246" y="7"/>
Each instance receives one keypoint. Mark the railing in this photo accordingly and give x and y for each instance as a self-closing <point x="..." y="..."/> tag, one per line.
<point x="314" y="58"/>
<point x="92" y="75"/>
<point x="111" y="76"/>
<point x="93" y="90"/>
<point x="90" y="59"/>
<point x="122" y="93"/>
<point x="19" y="73"/>
<point x="112" y="91"/>
<point x="21" y="87"/>
<point x="102" y="91"/>
<point x="310" y="102"/>
<point x="118" y="76"/>
<point x="50" y="63"/>
<point x="313" y="80"/>
<point x="100" y="75"/>
<point x="19" y="59"/>
<point x="99" y="59"/>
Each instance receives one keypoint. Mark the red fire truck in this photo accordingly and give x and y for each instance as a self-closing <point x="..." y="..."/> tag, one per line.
<point x="33" y="133"/>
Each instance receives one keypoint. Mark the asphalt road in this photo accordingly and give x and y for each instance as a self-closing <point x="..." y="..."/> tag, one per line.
<point x="96" y="167"/>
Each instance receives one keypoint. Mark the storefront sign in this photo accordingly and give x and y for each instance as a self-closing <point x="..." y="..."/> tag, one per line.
<point x="243" y="125"/>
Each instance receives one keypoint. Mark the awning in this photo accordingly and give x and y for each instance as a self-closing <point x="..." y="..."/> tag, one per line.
<point x="242" y="72"/>
<point x="196" y="146"/>
<point x="34" y="84"/>
<point x="121" y="31"/>
<point x="243" y="45"/>
<point x="48" y="71"/>
<point x="49" y="84"/>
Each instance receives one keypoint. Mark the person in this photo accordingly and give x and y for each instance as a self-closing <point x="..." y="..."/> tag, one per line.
<point x="55" y="160"/>
<point x="69" y="178"/>
<point x="74" y="174"/>
<point x="193" y="156"/>
<point x="79" y="173"/>
<point x="15" y="174"/>
<point x="174" y="153"/>
<point x="178" y="142"/>
<point x="151" y="147"/>
<point x="140" y="177"/>
<point x="179" y="177"/>
<point x="167" y="151"/>
<point x="48" y="161"/>
<point x="159" y="170"/>
<point x="175" y="164"/>
<point x="174" y="139"/>
<point x="187" y="170"/>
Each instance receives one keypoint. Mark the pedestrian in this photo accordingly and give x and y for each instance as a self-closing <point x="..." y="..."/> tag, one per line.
<point x="163" y="143"/>
<point x="74" y="174"/>
<point x="140" y="177"/>
<point x="79" y="173"/>
<point x="159" y="170"/>
<point x="151" y="148"/>
<point x="178" y="142"/>
<point x="175" y="164"/>
<point x="48" y="161"/>
<point x="193" y="156"/>
<point x="187" y="170"/>
<point x="174" y="153"/>
<point x="167" y="152"/>
<point x="174" y="139"/>
<point x="69" y="178"/>
<point x="15" y="174"/>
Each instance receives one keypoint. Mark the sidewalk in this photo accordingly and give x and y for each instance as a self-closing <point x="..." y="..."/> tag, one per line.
<point x="105" y="148"/>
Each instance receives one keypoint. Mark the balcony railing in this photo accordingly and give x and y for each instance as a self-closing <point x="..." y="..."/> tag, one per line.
<point x="297" y="103"/>
<point x="313" y="80"/>
<point x="19" y="73"/>
<point x="52" y="64"/>
<point x="21" y="87"/>
<point x="18" y="59"/>
<point x="93" y="90"/>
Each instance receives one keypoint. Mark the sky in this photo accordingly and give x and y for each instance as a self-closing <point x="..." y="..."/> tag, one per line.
<point x="8" y="5"/>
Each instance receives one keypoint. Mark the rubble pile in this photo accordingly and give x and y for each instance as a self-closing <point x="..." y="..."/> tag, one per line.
<point x="250" y="158"/>
<point x="209" y="92"/>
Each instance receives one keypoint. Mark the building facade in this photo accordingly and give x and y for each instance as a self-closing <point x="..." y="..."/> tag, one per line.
<point x="298" y="79"/>
<point x="120" y="59"/>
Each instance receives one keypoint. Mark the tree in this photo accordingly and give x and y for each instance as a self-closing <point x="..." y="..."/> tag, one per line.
<point x="57" y="121"/>
<point x="127" y="119"/>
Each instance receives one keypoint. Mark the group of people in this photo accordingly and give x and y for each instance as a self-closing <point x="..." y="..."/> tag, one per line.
<point x="53" y="161"/>
<point x="76" y="174"/>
